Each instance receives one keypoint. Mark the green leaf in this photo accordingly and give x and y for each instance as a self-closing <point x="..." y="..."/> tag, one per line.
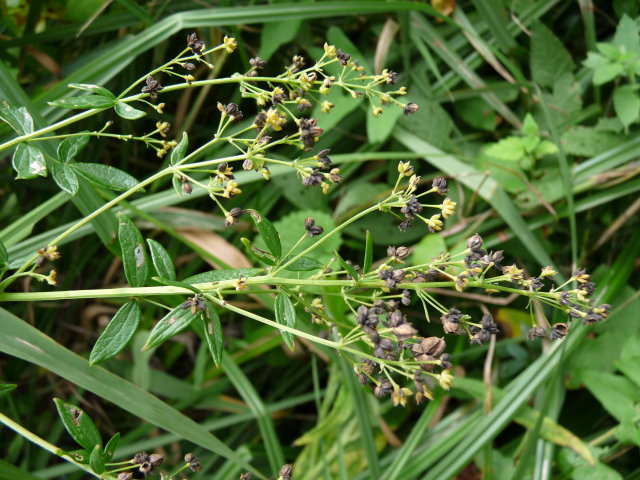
<point x="258" y="254"/>
<point x="529" y="126"/>
<point x="220" y="275"/>
<point x="18" y="118"/>
<point x="627" y="34"/>
<point x="626" y="104"/>
<point x="84" y="102"/>
<point x="172" y="323"/>
<point x="117" y="334"/>
<point x="106" y="176"/>
<point x="127" y="111"/>
<point x="161" y="260"/>
<point x="268" y="233"/>
<point x="303" y="264"/>
<point x="6" y="388"/>
<point x="70" y="147"/>
<point x="178" y="153"/>
<point x="349" y="268"/>
<point x="276" y="34"/>
<point x="477" y="113"/>
<point x="111" y="446"/>
<point x="212" y="329"/>
<point x="134" y="257"/>
<point x="98" y="90"/>
<point x="64" y="176"/>
<point x="589" y="142"/>
<point x="430" y="246"/>
<point x="4" y="255"/>
<point x="96" y="460"/>
<point x="368" y="252"/>
<point x="285" y="315"/>
<point x="379" y="128"/>
<point x="606" y="73"/>
<point x="549" y="59"/>
<point x="28" y="161"/>
<point x="78" y="424"/>
<point x="509" y="148"/>
<point x="616" y="393"/>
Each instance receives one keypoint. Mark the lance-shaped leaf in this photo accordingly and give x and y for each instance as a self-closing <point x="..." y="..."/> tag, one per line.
<point x="302" y="264"/>
<point x="177" y="154"/>
<point x="111" y="446"/>
<point x="117" y="334"/>
<point x="268" y="233"/>
<point x="86" y="101"/>
<point x="256" y="253"/>
<point x="78" y="424"/>
<point x="212" y="329"/>
<point x="349" y="268"/>
<point x="6" y="388"/>
<point x="18" y="118"/>
<point x="174" y="322"/>
<point x="368" y="253"/>
<point x="161" y="260"/>
<point x="28" y="161"/>
<point x="4" y="255"/>
<point x="70" y="147"/>
<point x="106" y="176"/>
<point x="127" y="111"/>
<point x="64" y="176"/>
<point x="97" y="89"/>
<point x="96" y="459"/>
<point x="220" y="275"/>
<point x="134" y="257"/>
<point x="285" y="315"/>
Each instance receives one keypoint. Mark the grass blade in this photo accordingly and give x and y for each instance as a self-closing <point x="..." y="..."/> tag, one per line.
<point x="257" y="407"/>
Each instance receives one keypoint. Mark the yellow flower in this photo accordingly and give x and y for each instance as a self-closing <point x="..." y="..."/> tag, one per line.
<point x="448" y="207"/>
<point x="445" y="378"/>
<point x="51" y="278"/>
<point x="326" y="107"/>
<point x="377" y="111"/>
<point x="231" y="189"/>
<point x="548" y="272"/>
<point x="230" y="44"/>
<point x="330" y="50"/>
<point x="399" y="396"/>
<point x="435" y="223"/>
<point x="274" y="120"/>
<point x="405" y="169"/>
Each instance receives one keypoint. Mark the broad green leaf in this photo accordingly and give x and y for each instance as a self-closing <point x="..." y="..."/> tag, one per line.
<point x="285" y="315"/>
<point x="616" y="393"/>
<point x="360" y="195"/>
<point x="509" y="148"/>
<point x="117" y="334"/>
<point x="64" y="176"/>
<point x="303" y="264"/>
<point x="549" y="59"/>
<point x="98" y="90"/>
<point x="172" y="323"/>
<point x="127" y="111"/>
<point x="212" y="329"/>
<point x="178" y="153"/>
<point x="529" y="126"/>
<point x="606" y="73"/>
<point x="477" y="113"/>
<point x="626" y="104"/>
<point x="276" y="34"/>
<point x="18" y="118"/>
<point x="627" y="34"/>
<point x="430" y="246"/>
<point x="28" y="161"/>
<point x="379" y="128"/>
<point x="134" y="257"/>
<point x="349" y="268"/>
<point x="78" y="424"/>
<point x="96" y="460"/>
<point x="84" y="102"/>
<point x="6" y="388"/>
<point x="111" y="446"/>
<point x="368" y="252"/>
<point x="589" y="142"/>
<point x="161" y="260"/>
<point x="219" y="275"/>
<point x="268" y="233"/>
<point x="106" y="176"/>
<point x="70" y="147"/>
